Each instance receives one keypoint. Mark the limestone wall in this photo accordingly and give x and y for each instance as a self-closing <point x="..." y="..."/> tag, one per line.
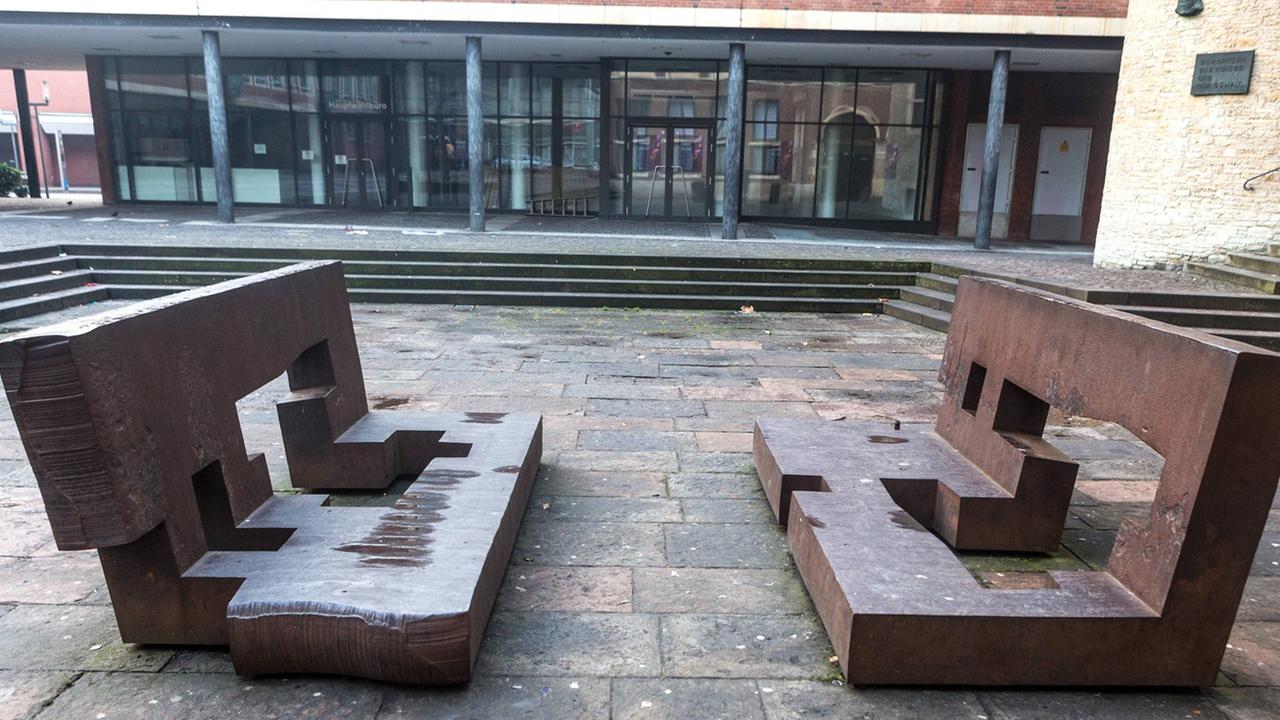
<point x="1177" y="162"/>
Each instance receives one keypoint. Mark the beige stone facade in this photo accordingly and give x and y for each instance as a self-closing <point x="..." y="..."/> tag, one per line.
<point x="1177" y="162"/>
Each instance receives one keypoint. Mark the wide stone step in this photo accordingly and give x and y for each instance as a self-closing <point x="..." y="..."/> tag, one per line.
<point x="918" y="314"/>
<point x="932" y="299"/>
<point x="530" y="284"/>
<point x="1211" y="320"/>
<point x="1265" y="339"/>
<point x="1224" y="301"/>
<point x="28" y="306"/>
<point x="599" y="300"/>
<point x="32" y="268"/>
<point x="43" y="284"/>
<point x="434" y="269"/>
<point x="940" y="283"/>
<point x="478" y="257"/>
<point x="1268" y="264"/>
<point x="1262" y="282"/>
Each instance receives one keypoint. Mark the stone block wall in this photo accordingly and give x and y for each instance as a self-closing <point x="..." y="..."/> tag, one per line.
<point x="1177" y="162"/>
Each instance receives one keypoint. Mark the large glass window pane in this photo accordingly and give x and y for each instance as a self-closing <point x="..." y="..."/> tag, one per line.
<point x="112" y="82"/>
<point x="447" y="87"/>
<point x="410" y="87"/>
<point x="892" y="96"/>
<point x="834" y="170"/>
<point x="513" y="89"/>
<point x="513" y="162"/>
<point x="304" y="85"/>
<point x="779" y="170"/>
<point x="579" y="89"/>
<point x="310" y="159"/>
<point x="118" y="156"/>
<point x="262" y="165"/>
<point x="580" y="161"/>
<point x="449" y="183"/>
<point x="618" y="88"/>
<point x="161" y="147"/>
<point x="794" y="91"/>
<point x="256" y="84"/>
<point x="355" y="86"/>
<point x="614" y="203"/>
<point x="885" y="178"/>
<point x="671" y="88"/>
<point x="839" y="93"/>
<point x="154" y="83"/>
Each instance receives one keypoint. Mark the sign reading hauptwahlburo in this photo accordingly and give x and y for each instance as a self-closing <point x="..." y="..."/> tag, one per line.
<point x="1223" y="73"/>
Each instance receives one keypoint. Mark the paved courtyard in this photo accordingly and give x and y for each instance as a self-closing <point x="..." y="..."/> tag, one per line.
<point x="648" y="580"/>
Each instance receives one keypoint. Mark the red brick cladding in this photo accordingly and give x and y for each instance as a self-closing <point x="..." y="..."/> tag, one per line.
<point x="1065" y="8"/>
<point x="1035" y="100"/>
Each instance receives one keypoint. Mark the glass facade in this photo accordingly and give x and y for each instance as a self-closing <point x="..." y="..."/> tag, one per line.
<point x="841" y="145"/>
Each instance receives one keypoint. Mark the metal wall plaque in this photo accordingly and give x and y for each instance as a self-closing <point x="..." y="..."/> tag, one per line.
<point x="1223" y="73"/>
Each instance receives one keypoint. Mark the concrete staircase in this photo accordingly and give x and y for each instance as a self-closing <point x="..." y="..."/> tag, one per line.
<point x="1260" y="273"/>
<point x="37" y="280"/>
<point x="1247" y="317"/>
<point x="40" y="279"/>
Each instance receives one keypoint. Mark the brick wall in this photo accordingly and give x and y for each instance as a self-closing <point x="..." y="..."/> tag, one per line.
<point x="1177" y="161"/>
<point x="1035" y="100"/>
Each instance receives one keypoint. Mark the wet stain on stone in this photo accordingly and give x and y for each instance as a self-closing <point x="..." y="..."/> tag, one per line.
<point x="887" y="439"/>
<point x="484" y="418"/>
<point x="390" y="402"/>
<point x="507" y="469"/>
<point x="815" y="522"/>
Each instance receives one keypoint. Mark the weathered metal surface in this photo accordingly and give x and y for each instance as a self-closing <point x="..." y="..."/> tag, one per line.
<point x="129" y="420"/>
<point x="900" y="608"/>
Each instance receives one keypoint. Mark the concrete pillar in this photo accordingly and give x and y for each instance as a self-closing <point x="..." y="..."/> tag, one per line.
<point x="218" y="126"/>
<point x="991" y="150"/>
<point x="475" y="133"/>
<point x="733" y="141"/>
<point x="28" y="135"/>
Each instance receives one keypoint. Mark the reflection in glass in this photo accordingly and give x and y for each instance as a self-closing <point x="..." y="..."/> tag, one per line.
<point x="256" y="84"/>
<point x="304" y="85"/>
<point x="792" y="92"/>
<point x="412" y="178"/>
<point x="154" y="83"/>
<point x="513" y="162"/>
<point x="354" y="86"/>
<point x="309" y="159"/>
<point x="161" y="162"/>
<point x="410" y="87"/>
<point x="671" y="89"/>
<point x="892" y="96"/>
<point x="779" y="169"/>
<point x="886" y="164"/>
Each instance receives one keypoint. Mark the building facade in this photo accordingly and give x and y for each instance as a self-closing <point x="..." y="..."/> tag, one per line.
<point x="867" y="113"/>
<point x="65" y="148"/>
<point x="1176" y="189"/>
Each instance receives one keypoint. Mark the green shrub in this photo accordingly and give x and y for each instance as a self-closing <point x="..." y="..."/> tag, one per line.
<point x="12" y="181"/>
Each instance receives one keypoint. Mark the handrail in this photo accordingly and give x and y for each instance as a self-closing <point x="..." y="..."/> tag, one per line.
<point x="1259" y="175"/>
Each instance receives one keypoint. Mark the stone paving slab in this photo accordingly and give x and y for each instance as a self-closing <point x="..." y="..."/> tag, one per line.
<point x="648" y="579"/>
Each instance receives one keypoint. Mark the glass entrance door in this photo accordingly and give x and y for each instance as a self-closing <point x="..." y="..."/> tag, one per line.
<point x="357" y="161"/>
<point x="670" y="172"/>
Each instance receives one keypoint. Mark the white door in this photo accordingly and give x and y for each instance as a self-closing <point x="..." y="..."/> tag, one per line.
<point x="1058" y="206"/>
<point x="971" y="183"/>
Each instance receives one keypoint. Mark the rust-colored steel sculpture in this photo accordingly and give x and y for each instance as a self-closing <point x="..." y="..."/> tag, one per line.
<point x="129" y="420"/>
<point x="870" y="511"/>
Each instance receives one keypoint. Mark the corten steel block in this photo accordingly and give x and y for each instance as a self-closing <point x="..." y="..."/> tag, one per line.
<point x="129" y="420"/>
<point x="860" y="502"/>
